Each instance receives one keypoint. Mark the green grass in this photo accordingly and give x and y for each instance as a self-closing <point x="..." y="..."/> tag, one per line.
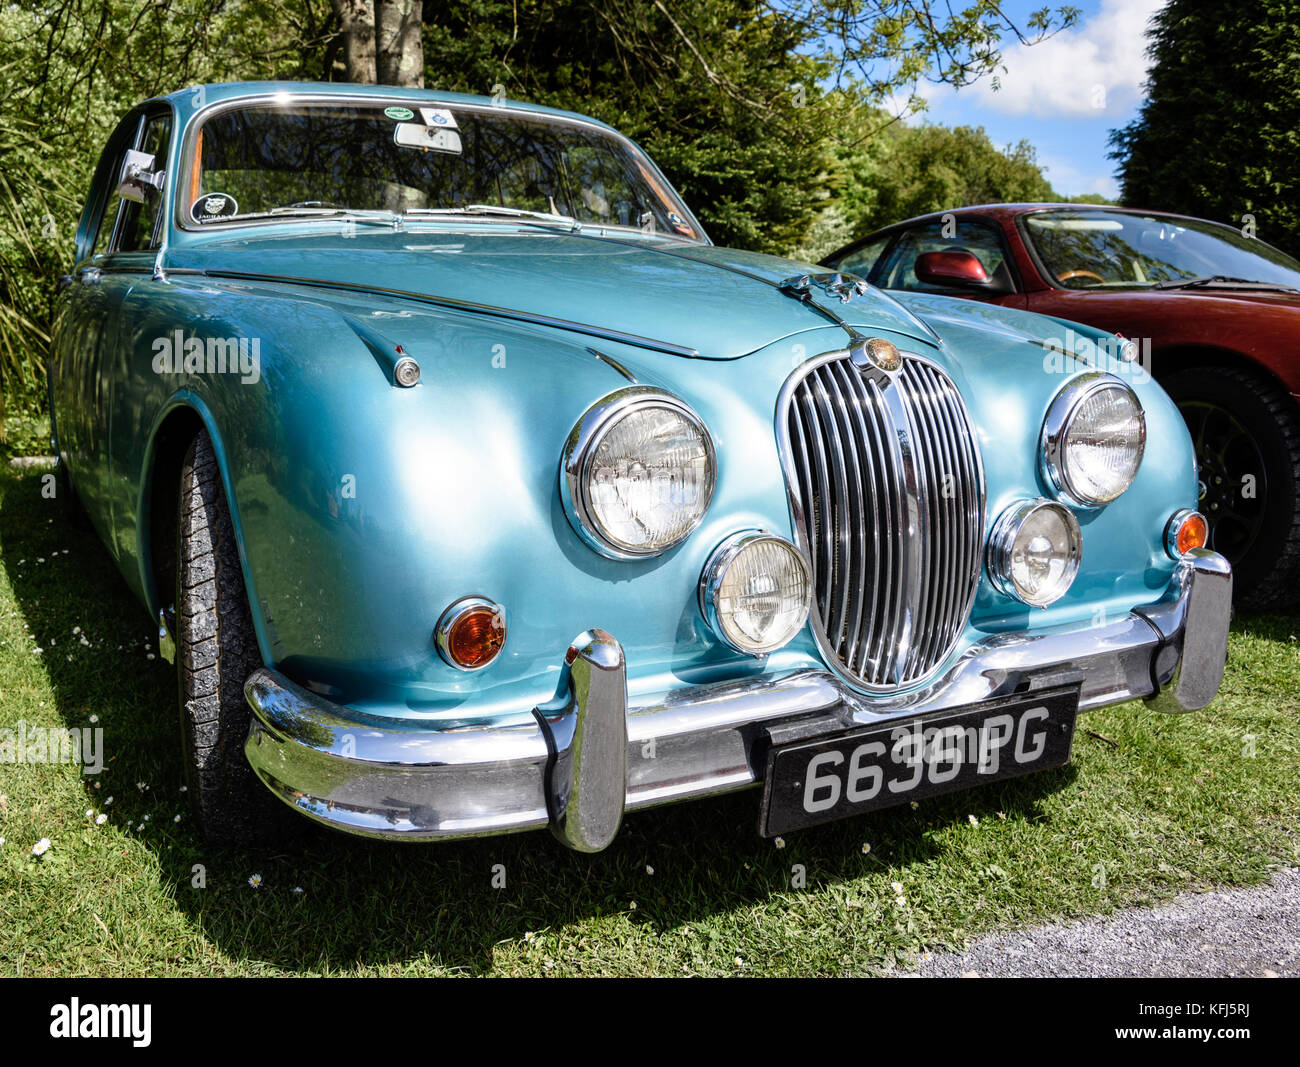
<point x="1172" y="805"/>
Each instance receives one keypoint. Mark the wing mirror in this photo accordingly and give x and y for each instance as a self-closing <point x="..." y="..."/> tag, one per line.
<point x="955" y="269"/>
<point x="138" y="176"/>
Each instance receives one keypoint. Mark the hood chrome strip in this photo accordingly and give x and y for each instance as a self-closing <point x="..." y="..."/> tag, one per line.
<point x="464" y="305"/>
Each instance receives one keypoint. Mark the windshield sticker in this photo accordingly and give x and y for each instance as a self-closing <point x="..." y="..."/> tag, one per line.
<point x="213" y="206"/>
<point x="678" y="223"/>
<point x="439" y="116"/>
<point x="399" y="114"/>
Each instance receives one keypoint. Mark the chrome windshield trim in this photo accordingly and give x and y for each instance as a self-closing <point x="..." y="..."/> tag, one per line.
<point x="201" y="115"/>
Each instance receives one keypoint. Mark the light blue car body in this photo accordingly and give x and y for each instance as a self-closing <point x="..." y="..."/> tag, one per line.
<point x="362" y="510"/>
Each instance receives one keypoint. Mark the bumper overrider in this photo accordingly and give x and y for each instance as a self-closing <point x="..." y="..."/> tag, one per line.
<point x="587" y="756"/>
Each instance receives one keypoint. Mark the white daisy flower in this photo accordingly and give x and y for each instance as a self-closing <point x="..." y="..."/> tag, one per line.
<point x="866" y="847"/>
<point x="176" y="818"/>
<point x="779" y="842"/>
<point x="94" y="719"/>
<point x="297" y="889"/>
<point x="100" y="819"/>
<point x="972" y="820"/>
<point x="255" y="880"/>
<point x="901" y="901"/>
<point x="649" y="869"/>
<point x="897" y="887"/>
<point x="41" y="847"/>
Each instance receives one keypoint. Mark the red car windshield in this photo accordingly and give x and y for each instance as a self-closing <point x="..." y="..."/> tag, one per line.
<point x="1091" y="249"/>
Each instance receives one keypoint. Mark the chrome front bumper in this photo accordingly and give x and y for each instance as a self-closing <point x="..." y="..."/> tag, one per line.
<point x="587" y="756"/>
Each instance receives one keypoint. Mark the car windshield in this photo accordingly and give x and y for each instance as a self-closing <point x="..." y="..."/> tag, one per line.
<point x="1086" y="249"/>
<point x="384" y="160"/>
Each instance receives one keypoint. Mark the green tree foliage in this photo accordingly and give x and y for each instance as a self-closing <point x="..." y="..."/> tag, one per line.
<point x="898" y="171"/>
<point x="1217" y="136"/>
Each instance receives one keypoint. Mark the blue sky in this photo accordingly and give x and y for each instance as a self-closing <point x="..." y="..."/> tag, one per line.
<point x="1064" y="95"/>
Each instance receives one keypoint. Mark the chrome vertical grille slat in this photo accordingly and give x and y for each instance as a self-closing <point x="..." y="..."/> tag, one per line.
<point x="887" y="490"/>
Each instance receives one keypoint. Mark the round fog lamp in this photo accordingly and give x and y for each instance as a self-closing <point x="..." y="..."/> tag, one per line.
<point x="755" y="591"/>
<point x="1034" y="551"/>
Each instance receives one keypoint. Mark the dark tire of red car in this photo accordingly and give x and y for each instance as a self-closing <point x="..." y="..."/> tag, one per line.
<point x="216" y="650"/>
<point x="1246" y="430"/>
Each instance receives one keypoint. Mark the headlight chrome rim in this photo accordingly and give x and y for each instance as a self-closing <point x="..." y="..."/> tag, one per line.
<point x="1003" y="539"/>
<point x="1060" y="415"/>
<point x="581" y="446"/>
<point x="715" y="570"/>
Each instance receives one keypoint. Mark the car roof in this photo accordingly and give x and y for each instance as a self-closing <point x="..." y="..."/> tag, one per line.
<point x="192" y="99"/>
<point x="1005" y="211"/>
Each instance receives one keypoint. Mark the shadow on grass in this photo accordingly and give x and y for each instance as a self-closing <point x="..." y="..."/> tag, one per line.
<point x="373" y="903"/>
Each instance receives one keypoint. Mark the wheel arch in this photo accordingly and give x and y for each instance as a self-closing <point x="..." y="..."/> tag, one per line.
<point x="1170" y="358"/>
<point x="175" y="427"/>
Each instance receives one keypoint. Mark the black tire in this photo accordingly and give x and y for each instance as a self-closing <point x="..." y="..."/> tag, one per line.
<point x="216" y="651"/>
<point x="1243" y="423"/>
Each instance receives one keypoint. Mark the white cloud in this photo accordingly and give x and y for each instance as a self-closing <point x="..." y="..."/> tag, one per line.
<point x="1095" y="69"/>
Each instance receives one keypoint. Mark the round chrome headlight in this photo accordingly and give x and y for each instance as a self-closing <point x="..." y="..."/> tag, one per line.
<point x="1034" y="551"/>
<point x="638" y="473"/>
<point x="1093" y="439"/>
<point x="755" y="591"/>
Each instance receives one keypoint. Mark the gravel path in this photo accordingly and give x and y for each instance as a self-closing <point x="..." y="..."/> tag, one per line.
<point x="1227" y="933"/>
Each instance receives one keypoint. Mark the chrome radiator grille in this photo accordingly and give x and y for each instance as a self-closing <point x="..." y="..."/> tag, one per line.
<point x="887" y="489"/>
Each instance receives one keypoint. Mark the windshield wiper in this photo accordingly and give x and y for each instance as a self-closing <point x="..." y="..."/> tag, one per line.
<point x="1224" y="281"/>
<point x="383" y="218"/>
<point x="499" y="211"/>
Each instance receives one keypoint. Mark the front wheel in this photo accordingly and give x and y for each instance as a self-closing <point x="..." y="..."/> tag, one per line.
<point x="1246" y="431"/>
<point x="216" y="651"/>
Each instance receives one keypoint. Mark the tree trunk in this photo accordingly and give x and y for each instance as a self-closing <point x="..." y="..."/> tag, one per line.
<point x="399" y="47"/>
<point x="357" y="20"/>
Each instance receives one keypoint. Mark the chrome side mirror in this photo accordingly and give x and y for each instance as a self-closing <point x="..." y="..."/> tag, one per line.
<point x="138" y="177"/>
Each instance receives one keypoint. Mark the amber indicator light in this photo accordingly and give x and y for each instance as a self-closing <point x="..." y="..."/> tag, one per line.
<point x="476" y="637"/>
<point x="1192" y="533"/>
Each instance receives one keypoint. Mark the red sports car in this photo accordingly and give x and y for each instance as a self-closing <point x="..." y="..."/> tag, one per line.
<point x="1216" y="313"/>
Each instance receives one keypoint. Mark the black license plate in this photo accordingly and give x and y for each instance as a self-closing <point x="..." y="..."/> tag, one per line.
<point x="834" y="776"/>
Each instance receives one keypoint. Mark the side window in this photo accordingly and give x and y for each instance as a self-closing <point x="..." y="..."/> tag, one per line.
<point x="977" y="237"/>
<point x="108" y="220"/>
<point x="138" y="230"/>
<point x="861" y="260"/>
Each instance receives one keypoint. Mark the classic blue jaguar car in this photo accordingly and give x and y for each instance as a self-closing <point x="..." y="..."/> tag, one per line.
<point x="474" y="490"/>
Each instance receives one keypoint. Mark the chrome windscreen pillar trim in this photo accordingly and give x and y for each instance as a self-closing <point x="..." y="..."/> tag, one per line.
<point x="1195" y="655"/>
<point x="586" y="732"/>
